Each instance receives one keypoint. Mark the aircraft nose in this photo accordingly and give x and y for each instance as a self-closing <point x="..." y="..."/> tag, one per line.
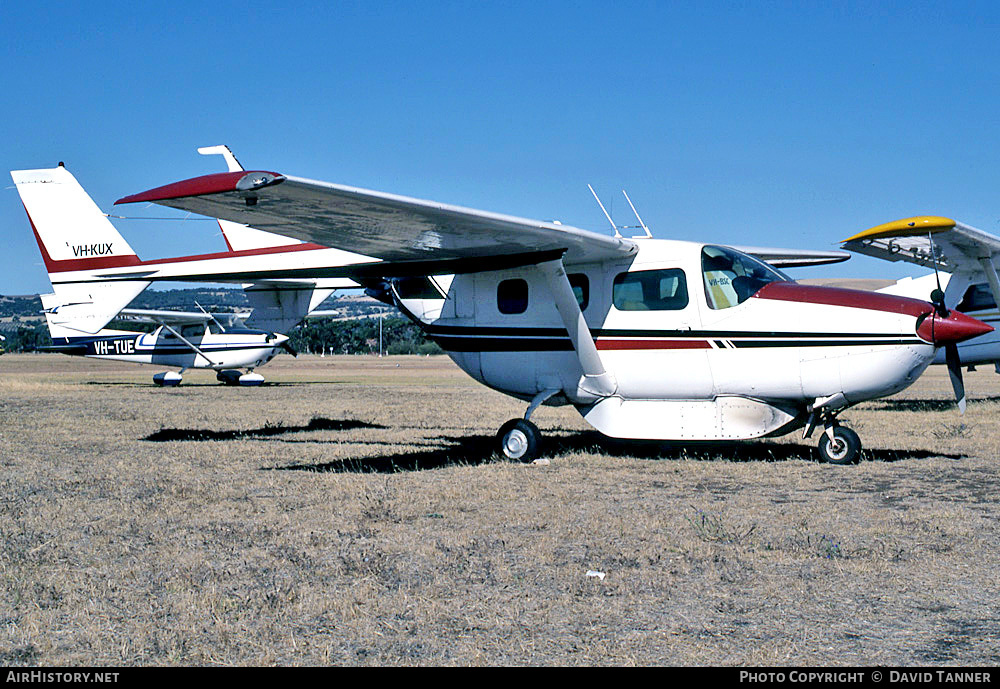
<point x="954" y="328"/>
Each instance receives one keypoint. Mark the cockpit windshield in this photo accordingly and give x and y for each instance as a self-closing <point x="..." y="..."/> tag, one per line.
<point x="732" y="277"/>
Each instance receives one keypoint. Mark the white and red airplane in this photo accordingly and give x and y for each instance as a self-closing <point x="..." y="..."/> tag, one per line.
<point x="77" y="241"/>
<point x="965" y="263"/>
<point x="648" y="339"/>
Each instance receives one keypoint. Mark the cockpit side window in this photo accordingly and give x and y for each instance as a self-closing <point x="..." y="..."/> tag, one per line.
<point x="650" y="290"/>
<point x="193" y="330"/>
<point x="732" y="277"/>
<point x="977" y="298"/>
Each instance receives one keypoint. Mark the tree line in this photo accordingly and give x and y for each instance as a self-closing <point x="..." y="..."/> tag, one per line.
<point x="318" y="336"/>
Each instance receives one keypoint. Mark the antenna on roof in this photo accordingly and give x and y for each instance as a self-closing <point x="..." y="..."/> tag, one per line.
<point x="641" y="223"/>
<point x="615" y="227"/>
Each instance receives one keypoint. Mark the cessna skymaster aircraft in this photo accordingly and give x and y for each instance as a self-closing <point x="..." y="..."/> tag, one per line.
<point x="648" y="339"/>
<point x="968" y="259"/>
<point x="76" y="239"/>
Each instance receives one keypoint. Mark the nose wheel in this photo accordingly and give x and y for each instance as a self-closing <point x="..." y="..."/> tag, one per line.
<point x="839" y="445"/>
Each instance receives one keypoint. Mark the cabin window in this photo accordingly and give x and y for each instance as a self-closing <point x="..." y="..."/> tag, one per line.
<point x="732" y="277"/>
<point x="650" y="290"/>
<point x="581" y="288"/>
<point x="196" y="330"/>
<point x="512" y="296"/>
<point x="416" y="288"/>
<point x="977" y="298"/>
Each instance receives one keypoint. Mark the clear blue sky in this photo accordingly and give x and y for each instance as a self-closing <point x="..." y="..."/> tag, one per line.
<point x="773" y="124"/>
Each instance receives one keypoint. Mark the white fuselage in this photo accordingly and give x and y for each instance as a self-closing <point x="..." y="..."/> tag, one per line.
<point x="226" y="350"/>
<point x="681" y="368"/>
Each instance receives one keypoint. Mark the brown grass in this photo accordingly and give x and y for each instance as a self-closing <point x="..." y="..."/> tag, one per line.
<point x="350" y="513"/>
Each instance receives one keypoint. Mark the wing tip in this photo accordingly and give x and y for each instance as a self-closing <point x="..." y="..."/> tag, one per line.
<point x="906" y="227"/>
<point x="218" y="183"/>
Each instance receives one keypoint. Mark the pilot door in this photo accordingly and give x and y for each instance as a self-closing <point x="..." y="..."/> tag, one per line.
<point x="651" y="340"/>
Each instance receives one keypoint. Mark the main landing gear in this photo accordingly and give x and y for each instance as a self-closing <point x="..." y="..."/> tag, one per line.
<point x="517" y="440"/>
<point x="168" y="379"/>
<point x="838" y="444"/>
<point x="232" y="376"/>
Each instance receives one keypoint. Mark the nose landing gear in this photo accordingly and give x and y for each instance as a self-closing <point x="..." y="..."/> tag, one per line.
<point x="838" y="444"/>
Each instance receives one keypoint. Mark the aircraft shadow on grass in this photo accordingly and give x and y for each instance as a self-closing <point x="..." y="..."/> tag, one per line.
<point x="457" y="450"/>
<point x="266" y="431"/>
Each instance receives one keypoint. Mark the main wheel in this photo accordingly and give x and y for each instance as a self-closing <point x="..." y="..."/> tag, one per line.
<point x="845" y="448"/>
<point x="518" y="440"/>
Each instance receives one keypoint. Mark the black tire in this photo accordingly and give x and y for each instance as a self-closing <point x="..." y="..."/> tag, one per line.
<point x="844" y="449"/>
<point x="517" y="440"/>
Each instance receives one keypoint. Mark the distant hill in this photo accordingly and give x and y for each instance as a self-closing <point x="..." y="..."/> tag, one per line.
<point x="23" y="324"/>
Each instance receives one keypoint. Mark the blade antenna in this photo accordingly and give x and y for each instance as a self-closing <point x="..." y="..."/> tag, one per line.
<point x="613" y="226"/>
<point x="641" y="223"/>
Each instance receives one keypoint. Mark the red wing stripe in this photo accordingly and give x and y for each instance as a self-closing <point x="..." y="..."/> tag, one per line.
<point x="218" y="183"/>
<point x="653" y="344"/>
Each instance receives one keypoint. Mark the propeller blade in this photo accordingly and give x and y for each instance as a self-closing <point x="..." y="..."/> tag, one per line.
<point x="955" y="371"/>
<point x="289" y="348"/>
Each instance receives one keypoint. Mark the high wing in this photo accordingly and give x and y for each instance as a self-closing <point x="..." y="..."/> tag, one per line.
<point x="162" y="317"/>
<point x="407" y="234"/>
<point x="933" y="242"/>
<point x="929" y="241"/>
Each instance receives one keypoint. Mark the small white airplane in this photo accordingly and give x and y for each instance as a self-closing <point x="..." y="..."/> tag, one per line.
<point x="648" y="339"/>
<point x="182" y="339"/>
<point x="77" y="241"/>
<point x="965" y="263"/>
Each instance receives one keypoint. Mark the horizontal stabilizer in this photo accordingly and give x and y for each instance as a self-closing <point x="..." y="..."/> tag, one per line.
<point x="279" y="309"/>
<point x="75" y="309"/>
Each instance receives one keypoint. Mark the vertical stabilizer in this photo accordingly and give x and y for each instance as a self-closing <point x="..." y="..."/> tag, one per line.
<point x="243" y="237"/>
<point x="72" y="232"/>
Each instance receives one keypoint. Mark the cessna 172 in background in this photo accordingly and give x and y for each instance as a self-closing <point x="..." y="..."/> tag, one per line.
<point x="184" y="340"/>
<point x="648" y="339"/>
<point x="75" y="239"/>
<point x="965" y="262"/>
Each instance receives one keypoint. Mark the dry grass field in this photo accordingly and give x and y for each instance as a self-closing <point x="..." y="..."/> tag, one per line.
<point x="349" y="512"/>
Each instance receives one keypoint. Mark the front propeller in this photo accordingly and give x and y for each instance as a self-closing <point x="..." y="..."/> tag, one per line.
<point x="955" y="372"/>
<point x="946" y="328"/>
